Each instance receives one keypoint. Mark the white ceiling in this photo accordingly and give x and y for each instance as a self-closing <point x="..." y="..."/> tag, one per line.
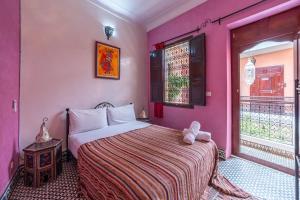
<point x="266" y="47"/>
<point x="149" y="13"/>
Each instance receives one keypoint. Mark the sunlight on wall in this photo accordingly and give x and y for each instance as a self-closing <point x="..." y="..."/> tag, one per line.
<point x="268" y="55"/>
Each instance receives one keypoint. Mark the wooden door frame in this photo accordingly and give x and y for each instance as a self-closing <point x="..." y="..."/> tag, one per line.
<point x="297" y="76"/>
<point x="280" y="27"/>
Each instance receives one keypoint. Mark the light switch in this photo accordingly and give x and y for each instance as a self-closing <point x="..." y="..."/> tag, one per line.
<point x="15" y="105"/>
<point x="208" y="93"/>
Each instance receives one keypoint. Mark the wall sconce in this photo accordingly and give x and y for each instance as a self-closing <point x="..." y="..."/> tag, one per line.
<point x="108" y="31"/>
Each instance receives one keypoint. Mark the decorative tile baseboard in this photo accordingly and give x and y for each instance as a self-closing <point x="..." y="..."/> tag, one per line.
<point x="12" y="183"/>
<point x="222" y="154"/>
<point x="279" y="152"/>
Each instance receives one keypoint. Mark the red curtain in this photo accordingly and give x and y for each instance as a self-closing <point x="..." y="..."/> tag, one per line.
<point x="159" y="46"/>
<point x="159" y="107"/>
<point x="158" y="110"/>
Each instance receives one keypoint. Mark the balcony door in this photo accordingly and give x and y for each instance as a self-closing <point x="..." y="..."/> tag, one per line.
<point x="297" y="114"/>
<point x="263" y="90"/>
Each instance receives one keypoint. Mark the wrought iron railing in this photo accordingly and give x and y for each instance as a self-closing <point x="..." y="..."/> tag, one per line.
<point x="269" y="118"/>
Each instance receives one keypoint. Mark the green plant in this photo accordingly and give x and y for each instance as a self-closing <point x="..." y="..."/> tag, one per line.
<point x="279" y="132"/>
<point x="175" y="84"/>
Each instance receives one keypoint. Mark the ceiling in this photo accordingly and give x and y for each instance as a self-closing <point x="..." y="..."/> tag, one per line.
<point x="149" y="13"/>
<point x="266" y="47"/>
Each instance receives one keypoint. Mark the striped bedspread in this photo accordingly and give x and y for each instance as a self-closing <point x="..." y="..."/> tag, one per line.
<point x="149" y="163"/>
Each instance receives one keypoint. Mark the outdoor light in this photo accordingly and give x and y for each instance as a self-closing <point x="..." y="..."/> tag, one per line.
<point x="108" y="31"/>
<point x="250" y="71"/>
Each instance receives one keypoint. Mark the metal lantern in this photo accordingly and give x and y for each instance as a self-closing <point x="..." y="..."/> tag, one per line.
<point x="250" y="71"/>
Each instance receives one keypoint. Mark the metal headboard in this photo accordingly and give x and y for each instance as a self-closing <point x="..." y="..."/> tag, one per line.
<point x="104" y="105"/>
<point x="99" y="106"/>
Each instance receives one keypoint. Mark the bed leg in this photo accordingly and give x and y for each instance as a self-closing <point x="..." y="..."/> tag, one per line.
<point x="68" y="155"/>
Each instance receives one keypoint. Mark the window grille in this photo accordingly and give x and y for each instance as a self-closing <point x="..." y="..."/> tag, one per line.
<point x="176" y="60"/>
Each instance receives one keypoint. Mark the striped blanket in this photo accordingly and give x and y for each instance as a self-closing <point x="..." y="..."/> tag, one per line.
<point x="150" y="163"/>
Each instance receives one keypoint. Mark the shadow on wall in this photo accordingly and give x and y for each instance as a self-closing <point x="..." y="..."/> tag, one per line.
<point x="56" y="125"/>
<point x="14" y="161"/>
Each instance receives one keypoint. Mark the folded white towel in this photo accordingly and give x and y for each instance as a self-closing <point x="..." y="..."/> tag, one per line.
<point x="195" y="127"/>
<point x="189" y="135"/>
<point x="189" y="138"/>
<point x="203" y="136"/>
<point x="185" y="131"/>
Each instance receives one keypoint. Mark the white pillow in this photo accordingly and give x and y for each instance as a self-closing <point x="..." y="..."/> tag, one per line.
<point x="86" y="120"/>
<point x="120" y="115"/>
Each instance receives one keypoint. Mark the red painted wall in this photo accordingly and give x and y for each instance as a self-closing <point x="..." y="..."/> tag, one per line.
<point x="216" y="116"/>
<point x="9" y="88"/>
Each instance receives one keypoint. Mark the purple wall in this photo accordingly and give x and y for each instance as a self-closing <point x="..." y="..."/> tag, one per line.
<point x="9" y="89"/>
<point x="216" y="116"/>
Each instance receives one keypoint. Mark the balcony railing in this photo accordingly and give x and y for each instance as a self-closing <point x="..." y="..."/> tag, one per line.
<point x="268" y="118"/>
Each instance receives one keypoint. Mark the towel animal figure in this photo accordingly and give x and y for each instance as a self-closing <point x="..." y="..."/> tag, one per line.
<point x="203" y="136"/>
<point x="193" y="133"/>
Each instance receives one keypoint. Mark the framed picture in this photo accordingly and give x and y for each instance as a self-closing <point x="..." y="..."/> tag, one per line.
<point x="107" y="61"/>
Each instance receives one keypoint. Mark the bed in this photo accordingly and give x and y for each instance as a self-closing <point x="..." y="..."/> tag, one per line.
<point x="140" y="161"/>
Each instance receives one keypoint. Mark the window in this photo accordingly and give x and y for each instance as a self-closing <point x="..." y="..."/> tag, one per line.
<point x="176" y="62"/>
<point x="177" y="73"/>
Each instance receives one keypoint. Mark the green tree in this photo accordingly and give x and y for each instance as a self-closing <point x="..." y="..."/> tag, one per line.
<point x="175" y="84"/>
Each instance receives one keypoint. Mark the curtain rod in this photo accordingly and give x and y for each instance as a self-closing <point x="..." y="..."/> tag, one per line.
<point x="236" y="12"/>
<point x="209" y="21"/>
<point x="184" y="34"/>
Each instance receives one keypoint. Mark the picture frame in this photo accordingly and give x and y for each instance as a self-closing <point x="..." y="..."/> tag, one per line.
<point x="107" y="61"/>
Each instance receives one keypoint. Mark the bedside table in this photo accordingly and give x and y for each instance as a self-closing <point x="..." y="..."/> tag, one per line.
<point x="147" y="120"/>
<point x="43" y="162"/>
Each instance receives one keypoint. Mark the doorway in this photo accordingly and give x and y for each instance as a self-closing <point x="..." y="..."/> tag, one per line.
<point x="263" y="88"/>
<point x="267" y="102"/>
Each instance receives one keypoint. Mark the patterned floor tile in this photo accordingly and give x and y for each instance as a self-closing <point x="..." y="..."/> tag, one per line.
<point x="280" y="160"/>
<point x="256" y="179"/>
<point x="65" y="187"/>
<point x="259" y="180"/>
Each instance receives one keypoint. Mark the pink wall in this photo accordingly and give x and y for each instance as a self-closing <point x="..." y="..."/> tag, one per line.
<point x="58" y="63"/>
<point x="9" y="88"/>
<point x="216" y="116"/>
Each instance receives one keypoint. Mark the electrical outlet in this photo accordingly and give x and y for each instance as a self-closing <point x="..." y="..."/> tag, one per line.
<point x="15" y="105"/>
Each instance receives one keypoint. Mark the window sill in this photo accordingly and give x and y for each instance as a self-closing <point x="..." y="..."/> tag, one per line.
<point x="190" y="106"/>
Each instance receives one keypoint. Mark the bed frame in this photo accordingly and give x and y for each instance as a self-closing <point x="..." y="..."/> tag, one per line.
<point x="100" y="105"/>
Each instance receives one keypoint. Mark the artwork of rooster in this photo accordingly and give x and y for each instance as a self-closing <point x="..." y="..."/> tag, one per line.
<point x="105" y="61"/>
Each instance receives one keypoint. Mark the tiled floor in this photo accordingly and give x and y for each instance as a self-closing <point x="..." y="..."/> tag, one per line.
<point x="280" y="160"/>
<point x="65" y="187"/>
<point x="258" y="180"/>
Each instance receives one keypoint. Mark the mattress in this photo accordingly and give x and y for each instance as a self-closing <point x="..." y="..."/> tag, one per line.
<point x="150" y="163"/>
<point x="76" y="140"/>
